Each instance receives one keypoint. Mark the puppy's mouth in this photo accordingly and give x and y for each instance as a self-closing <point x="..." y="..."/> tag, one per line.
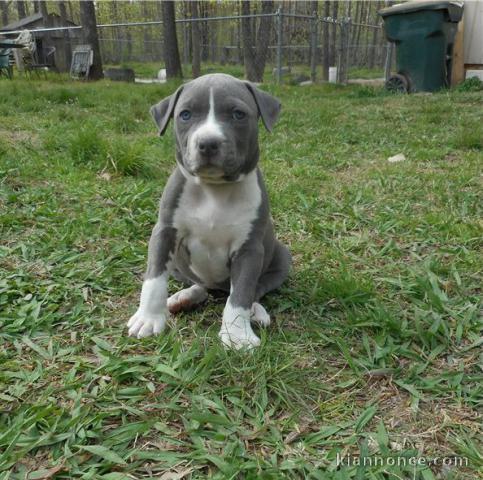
<point x="213" y="179"/>
<point x="214" y="175"/>
<point x="209" y="172"/>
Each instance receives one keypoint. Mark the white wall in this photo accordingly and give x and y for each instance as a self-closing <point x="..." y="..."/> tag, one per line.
<point x="473" y="31"/>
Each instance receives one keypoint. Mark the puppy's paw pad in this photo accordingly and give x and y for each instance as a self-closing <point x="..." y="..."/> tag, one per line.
<point x="178" y="302"/>
<point x="143" y="325"/>
<point x="259" y="315"/>
<point x="186" y="299"/>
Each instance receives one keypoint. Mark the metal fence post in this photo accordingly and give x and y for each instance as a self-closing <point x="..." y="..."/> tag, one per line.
<point x="279" y="44"/>
<point x="313" y="41"/>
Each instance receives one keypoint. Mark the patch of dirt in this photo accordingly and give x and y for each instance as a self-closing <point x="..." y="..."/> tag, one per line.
<point x="20" y="136"/>
<point x="373" y="82"/>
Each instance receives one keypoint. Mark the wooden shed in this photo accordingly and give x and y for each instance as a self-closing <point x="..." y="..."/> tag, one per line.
<point x="62" y="40"/>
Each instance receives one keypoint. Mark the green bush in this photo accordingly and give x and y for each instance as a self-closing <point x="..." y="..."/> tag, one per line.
<point x="473" y="84"/>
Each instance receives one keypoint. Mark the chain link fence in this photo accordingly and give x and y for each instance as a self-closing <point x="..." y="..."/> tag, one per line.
<point x="273" y="47"/>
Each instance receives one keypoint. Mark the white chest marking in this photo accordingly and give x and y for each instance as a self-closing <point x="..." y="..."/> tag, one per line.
<point x="213" y="221"/>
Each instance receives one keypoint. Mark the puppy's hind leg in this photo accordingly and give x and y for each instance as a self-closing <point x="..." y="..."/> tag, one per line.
<point x="276" y="272"/>
<point x="271" y="279"/>
<point x="187" y="299"/>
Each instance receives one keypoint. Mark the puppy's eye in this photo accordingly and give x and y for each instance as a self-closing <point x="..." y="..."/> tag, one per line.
<point x="238" y="114"/>
<point x="185" y="115"/>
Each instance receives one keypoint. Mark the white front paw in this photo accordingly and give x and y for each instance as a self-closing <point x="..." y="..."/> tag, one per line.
<point x="236" y="331"/>
<point x="142" y="324"/>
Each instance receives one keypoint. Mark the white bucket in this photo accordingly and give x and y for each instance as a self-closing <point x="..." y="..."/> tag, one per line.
<point x="332" y="74"/>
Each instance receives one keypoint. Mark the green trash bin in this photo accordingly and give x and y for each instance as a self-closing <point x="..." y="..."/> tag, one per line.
<point x="423" y="33"/>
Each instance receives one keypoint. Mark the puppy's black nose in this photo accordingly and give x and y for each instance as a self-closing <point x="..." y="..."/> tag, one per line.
<point x="208" y="146"/>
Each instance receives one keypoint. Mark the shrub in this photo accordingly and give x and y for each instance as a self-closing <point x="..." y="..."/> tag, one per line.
<point x="472" y="84"/>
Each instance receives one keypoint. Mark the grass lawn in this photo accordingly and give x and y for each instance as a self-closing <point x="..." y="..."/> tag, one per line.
<point x="375" y="338"/>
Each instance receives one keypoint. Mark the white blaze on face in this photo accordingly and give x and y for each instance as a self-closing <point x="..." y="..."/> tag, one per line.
<point x="210" y="128"/>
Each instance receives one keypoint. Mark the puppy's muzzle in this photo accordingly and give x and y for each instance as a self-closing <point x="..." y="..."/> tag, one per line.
<point x="208" y="147"/>
<point x="209" y="156"/>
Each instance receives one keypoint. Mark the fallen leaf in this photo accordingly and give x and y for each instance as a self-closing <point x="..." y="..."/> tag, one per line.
<point x="175" y="475"/>
<point x="46" y="474"/>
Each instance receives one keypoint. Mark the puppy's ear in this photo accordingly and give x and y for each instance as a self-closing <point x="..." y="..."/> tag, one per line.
<point x="268" y="106"/>
<point x="163" y="111"/>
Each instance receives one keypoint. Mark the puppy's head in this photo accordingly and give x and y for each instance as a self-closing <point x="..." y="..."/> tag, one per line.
<point x="216" y="126"/>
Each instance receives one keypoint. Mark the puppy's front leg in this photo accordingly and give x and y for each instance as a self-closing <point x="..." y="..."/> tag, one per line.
<point x="236" y="331"/>
<point x="150" y="318"/>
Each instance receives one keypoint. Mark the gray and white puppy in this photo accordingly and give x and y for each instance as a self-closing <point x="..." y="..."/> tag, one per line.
<point x="214" y="229"/>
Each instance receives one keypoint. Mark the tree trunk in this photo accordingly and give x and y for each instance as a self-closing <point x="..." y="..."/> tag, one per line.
<point x="313" y="8"/>
<point x="353" y="33"/>
<point x="71" y="11"/>
<point x="357" y="19"/>
<point x="147" y="32"/>
<point x="89" y="30"/>
<point x="189" y="31"/>
<point x="160" y="52"/>
<point x="367" y="37"/>
<point x="372" y="58"/>
<point x="263" y="38"/>
<point x="333" y="41"/>
<point x="360" y="20"/>
<point x="4" y="7"/>
<point x="292" y="28"/>
<point x="325" y="41"/>
<point x="46" y="23"/>
<point x="129" y="45"/>
<point x="214" y="40"/>
<point x="36" y="6"/>
<point x="67" y="47"/>
<point x="21" y="10"/>
<point x="43" y="10"/>
<point x="255" y="47"/>
<point x="115" y="43"/>
<point x="248" y="41"/>
<point x="203" y="9"/>
<point x="186" y="30"/>
<point x="171" y="52"/>
<point x="239" y="57"/>
<point x="125" y="33"/>
<point x="195" y="35"/>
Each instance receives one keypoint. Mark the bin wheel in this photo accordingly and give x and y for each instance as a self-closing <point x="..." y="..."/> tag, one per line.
<point x="397" y="83"/>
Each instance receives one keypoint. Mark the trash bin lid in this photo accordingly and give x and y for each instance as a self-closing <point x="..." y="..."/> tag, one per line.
<point x="455" y="9"/>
